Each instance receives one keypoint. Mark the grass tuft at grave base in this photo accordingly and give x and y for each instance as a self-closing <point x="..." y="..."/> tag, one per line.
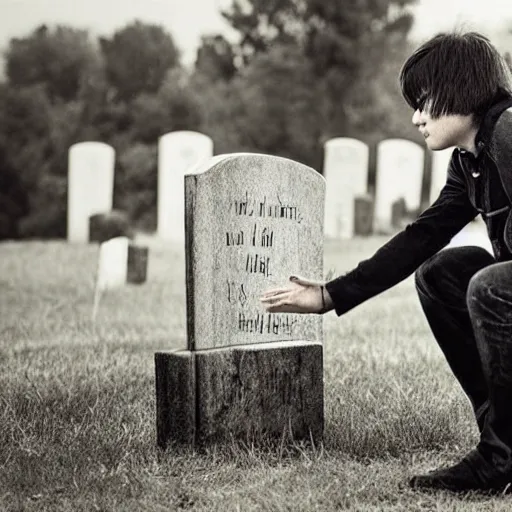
<point x="77" y="400"/>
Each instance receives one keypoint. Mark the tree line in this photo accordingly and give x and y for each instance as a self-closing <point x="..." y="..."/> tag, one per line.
<point x="301" y="72"/>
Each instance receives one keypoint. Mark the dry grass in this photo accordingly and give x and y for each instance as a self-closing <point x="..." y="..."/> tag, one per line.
<point x="77" y="418"/>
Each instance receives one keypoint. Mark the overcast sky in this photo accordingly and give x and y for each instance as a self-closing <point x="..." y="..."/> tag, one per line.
<point x="186" y="20"/>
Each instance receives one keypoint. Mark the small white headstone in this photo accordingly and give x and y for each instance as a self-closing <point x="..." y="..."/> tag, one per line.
<point x="178" y="153"/>
<point x="399" y="175"/>
<point x="346" y="175"/>
<point x="113" y="263"/>
<point x="90" y="185"/>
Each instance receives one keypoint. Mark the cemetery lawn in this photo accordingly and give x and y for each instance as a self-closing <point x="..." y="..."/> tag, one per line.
<point x="77" y="400"/>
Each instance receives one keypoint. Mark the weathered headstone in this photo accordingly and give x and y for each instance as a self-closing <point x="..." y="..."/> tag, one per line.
<point x="399" y="174"/>
<point x="178" y="153"/>
<point x="363" y="212"/>
<point x="440" y="162"/>
<point x="90" y="186"/>
<point x="121" y="261"/>
<point x="251" y="222"/>
<point x="346" y="175"/>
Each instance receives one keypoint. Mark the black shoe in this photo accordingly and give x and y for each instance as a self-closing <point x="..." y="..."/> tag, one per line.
<point x="464" y="477"/>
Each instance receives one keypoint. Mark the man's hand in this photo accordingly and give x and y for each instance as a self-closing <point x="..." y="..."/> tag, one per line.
<point x="301" y="296"/>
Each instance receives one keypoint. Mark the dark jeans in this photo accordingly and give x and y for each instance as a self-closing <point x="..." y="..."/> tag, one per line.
<point x="467" y="299"/>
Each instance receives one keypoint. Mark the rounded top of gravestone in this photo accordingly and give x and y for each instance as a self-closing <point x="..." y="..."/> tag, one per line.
<point x="91" y="145"/>
<point x="269" y="162"/>
<point x="398" y="142"/>
<point x="344" y="141"/>
<point x="186" y="134"/>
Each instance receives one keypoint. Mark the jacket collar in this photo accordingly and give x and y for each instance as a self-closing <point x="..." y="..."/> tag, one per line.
<point x="489" y="121"/>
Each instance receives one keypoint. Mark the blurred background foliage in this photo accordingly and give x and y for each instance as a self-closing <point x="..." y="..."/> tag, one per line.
<point x="302" y="72"/>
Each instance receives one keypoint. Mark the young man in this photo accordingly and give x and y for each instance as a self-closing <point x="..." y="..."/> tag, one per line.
<point x="461" y="92"/>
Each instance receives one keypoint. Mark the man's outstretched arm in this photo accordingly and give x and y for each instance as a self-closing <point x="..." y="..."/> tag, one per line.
<point x="392" y="263"/>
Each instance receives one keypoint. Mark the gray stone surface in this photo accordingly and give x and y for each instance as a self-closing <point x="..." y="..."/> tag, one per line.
<point x="175" y="397"/>
<point x="249" y="392"/>
<point x="251" y="221"/>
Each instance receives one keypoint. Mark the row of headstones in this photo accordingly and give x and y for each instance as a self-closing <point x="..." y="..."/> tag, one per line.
<point x="91" y="183"/>
<point x="349" y="208"/>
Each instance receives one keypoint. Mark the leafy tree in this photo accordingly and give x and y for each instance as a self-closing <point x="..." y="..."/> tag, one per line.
<point x="61" y="60"/>
<point x="13" y="198"/>
<point x="354" y="48"/>
<point x="24" y="129"/>
<point x="262" y="23"/>
<point x="172" y="108"/>
<point x="268" y="107"/>
<point x="32" y="152"/>
<point x="137" y="59"/>
<point x="136" y="184"/>
<point x="216" y="58"/>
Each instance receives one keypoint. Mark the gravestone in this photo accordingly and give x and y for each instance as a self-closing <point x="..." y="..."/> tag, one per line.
<point x="90" y="186"/>
<point x="398" y="212"/>
<point x="251" y="222"/>
<point x="363" y="212"/>
<point x="399" y="174"/>
<point x="440" y="162"/>
<point x="104" y="226"/>
<point x="121" y="261"/>
<point x="178" y="153"/>
<point x="112" y="263"/>
<point x="137" y="269"/>
<point x="346" y="175"/>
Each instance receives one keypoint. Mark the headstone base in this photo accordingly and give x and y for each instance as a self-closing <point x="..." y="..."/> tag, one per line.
<point x="247" y="392"/>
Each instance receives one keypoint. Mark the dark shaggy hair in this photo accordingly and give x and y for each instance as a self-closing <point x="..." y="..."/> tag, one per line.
<point x="455" y="74"/>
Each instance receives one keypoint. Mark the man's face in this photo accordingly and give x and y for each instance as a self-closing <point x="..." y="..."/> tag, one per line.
<point x="444" y="131"/>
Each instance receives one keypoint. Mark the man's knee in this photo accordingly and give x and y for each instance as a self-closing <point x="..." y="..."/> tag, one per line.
<point x="491" y="283"/>
<point x="454" y="265"/>
<point x="429" y="271"/>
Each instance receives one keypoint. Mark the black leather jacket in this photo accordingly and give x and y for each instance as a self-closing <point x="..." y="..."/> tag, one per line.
<point x="476" y="184"/>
